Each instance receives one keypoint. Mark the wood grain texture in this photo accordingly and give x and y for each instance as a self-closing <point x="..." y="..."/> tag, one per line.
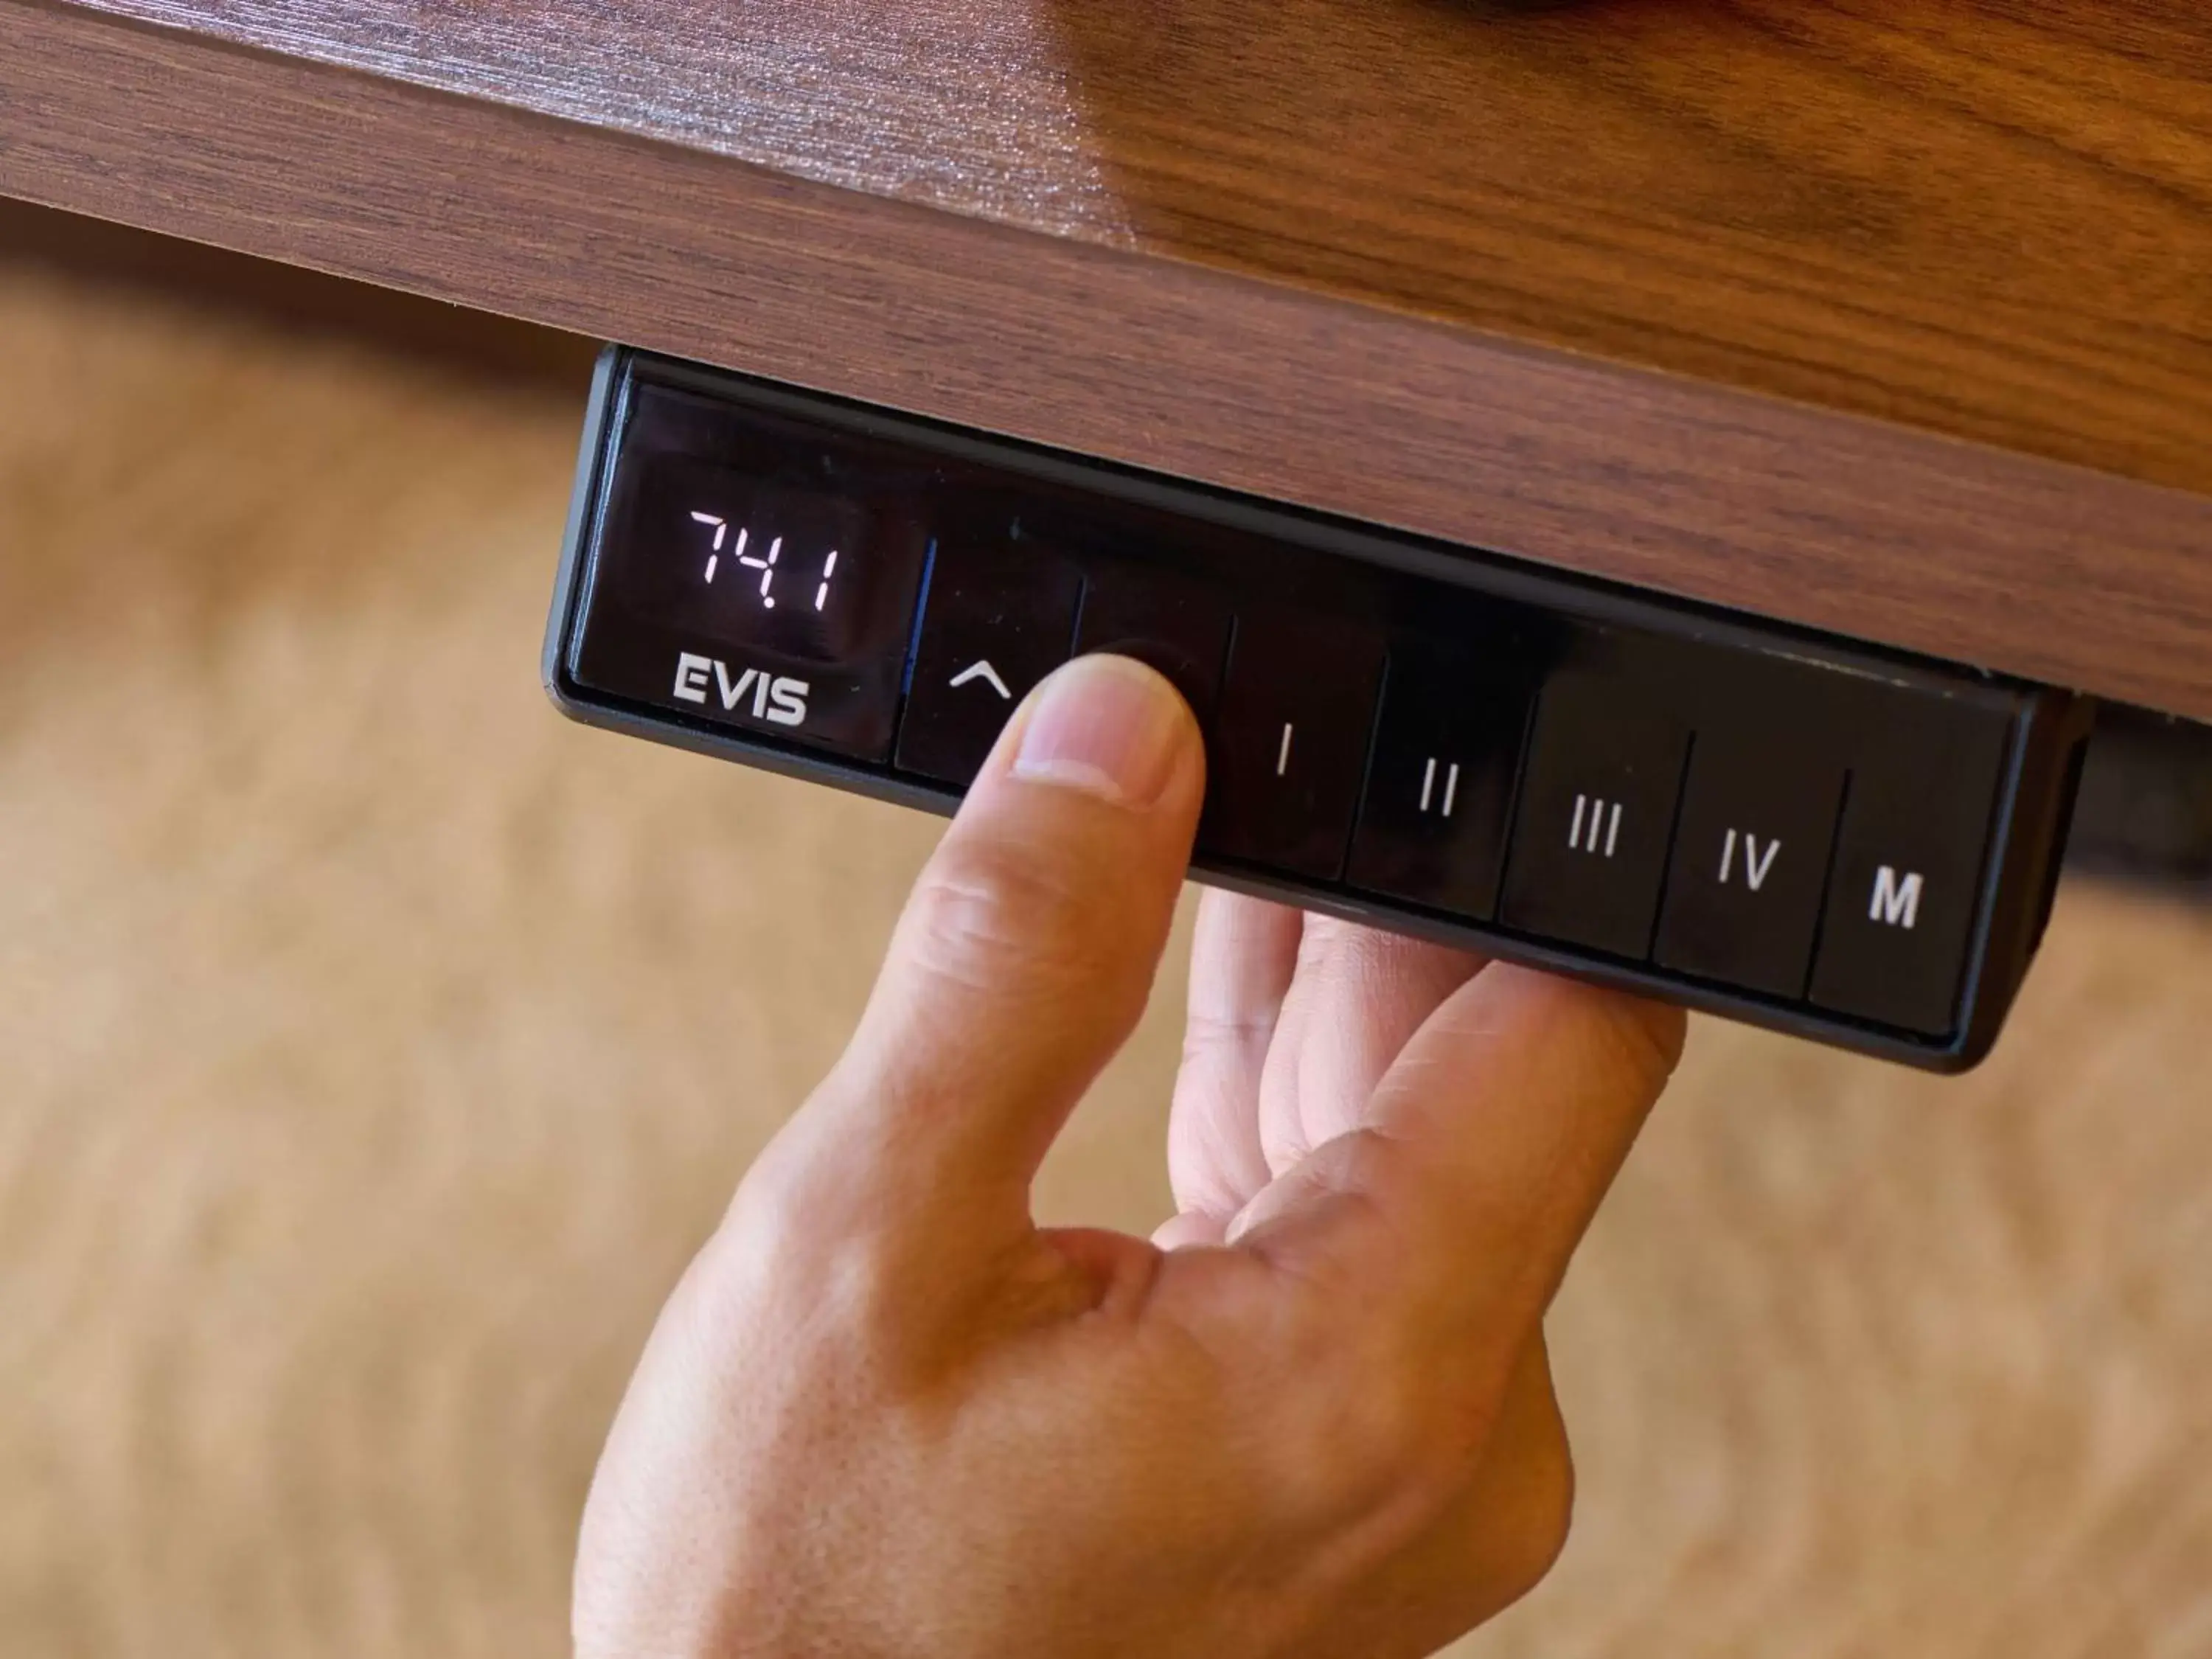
<point x="1326" y="252"/>
<point x="374" y="1047"/>
<point x="1991" y="217"/>
<point x="293" y="297"/>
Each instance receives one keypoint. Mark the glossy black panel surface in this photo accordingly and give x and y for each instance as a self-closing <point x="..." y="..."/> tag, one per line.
<point x="1596" y="816"/>
<point x="1439" y="797"/>
<point x="1751" y="857"/>
<point x="999" y="617"/>
<point x="1179" y="626"/>
<point x="1290" y="741"/>
<point x="1906" y="880"/>
<point x="765" y="578"/>
<point x="1834" y="841"/>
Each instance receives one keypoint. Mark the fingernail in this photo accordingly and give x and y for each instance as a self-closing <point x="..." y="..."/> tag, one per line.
<point x="1106" y="724"/>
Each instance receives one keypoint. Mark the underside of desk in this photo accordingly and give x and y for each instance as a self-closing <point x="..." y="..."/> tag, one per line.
<point x="1892" y="320"/>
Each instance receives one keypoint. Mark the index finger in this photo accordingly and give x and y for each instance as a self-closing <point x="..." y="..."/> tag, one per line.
<point x="1024" y="957"/>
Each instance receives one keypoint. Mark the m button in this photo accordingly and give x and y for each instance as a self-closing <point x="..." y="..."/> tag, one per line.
<point x="1907" y="884"/>
<point x="1597" y="807"/>
<point x="1751" y="858"/>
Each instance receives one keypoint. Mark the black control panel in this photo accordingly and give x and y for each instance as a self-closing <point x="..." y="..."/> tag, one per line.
<point x="1835" y="841"/>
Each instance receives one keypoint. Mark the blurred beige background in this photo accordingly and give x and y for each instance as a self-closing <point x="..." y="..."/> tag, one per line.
<point x="374" y="1046"/>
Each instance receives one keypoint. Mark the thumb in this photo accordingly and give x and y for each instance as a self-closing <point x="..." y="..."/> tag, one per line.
<point x="1025" y="953"/>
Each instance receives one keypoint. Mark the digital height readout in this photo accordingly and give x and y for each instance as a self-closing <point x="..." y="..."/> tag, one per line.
<point x="738" y="557"/>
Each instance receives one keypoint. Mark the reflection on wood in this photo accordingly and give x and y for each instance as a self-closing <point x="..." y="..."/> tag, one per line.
<point x="1432" y="299"/>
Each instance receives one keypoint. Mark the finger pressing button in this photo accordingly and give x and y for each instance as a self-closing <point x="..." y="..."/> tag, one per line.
<point x="1178" y="626"/>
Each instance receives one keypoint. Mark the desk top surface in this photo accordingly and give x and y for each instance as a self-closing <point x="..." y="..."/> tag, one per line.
<point x="1398" y="257"/>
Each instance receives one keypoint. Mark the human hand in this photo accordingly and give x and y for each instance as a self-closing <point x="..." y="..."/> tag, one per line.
<point x="884" y="1413"/>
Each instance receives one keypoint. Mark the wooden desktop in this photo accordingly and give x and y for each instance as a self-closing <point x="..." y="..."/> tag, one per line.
<point x="1889" y="317"/>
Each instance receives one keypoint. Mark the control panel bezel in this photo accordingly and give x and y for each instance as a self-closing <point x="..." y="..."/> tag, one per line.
<point x="2042" y="757"/>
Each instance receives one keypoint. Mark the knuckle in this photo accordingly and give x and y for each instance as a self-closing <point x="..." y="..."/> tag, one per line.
<point x="845" y="1305"/>
<point x="982" y="914"/>
<point x="1393" y="1397"/>
<point x="1389" y="1422"/>
<point x="1360" y="1174"/>
<point x="1209" y="1035"/>
<point x="1642" y="1039"/>
<point x="1543" y="1512"/>
<point x="1361" y="1435"/>
<point x="1372" y="1416"/>
<point x="862" y="1309"/>
<point x="1622" y="1040"/>
<point x="791" y="1255"/>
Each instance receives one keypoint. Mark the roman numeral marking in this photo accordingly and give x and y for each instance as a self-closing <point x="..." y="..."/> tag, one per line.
<point x="1429" y="785"/>
<point x="1757" y="864"/>
<point x="1603" y="817"/>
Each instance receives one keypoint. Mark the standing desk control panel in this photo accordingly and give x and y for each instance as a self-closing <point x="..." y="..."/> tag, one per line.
<point x="1840" y="843"/>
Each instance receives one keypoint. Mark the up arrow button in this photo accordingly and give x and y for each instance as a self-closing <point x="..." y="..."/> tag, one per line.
<point x="998" y="617"/>
<point x="982" y="671"/>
